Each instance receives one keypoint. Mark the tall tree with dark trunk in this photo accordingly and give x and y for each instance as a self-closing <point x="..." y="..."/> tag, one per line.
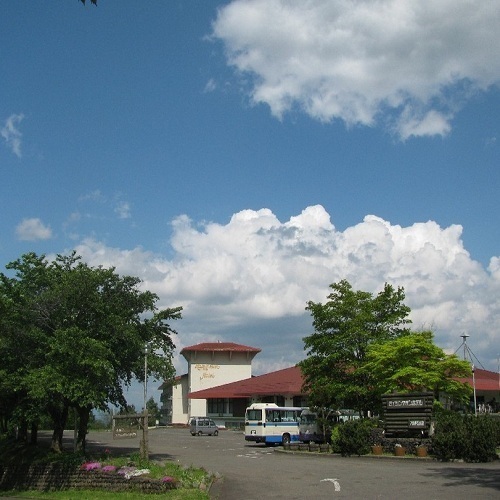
<point x="83" y="330"/>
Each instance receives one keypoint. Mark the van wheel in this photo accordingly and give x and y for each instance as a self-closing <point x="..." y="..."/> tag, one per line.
<point x="286" y="439"/>
<point x="193" y="434"/>
<point x="200" y="433"/>
<point x="216" y="433"/>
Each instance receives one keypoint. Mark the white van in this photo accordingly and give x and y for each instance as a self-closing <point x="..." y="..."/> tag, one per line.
<point x="203" y="425"/>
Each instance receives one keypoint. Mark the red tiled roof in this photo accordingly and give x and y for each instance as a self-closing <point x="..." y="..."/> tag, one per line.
<point x="289" y="382"/>
<point x="283" y="382"/>
<point x="220" y="347"/>
<point x="484" y="380"/>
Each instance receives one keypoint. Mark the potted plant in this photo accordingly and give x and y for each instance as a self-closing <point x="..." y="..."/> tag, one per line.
<point x="399" y="450"/>
<point x="421" y="450"/>
<point x="377" y="449"/>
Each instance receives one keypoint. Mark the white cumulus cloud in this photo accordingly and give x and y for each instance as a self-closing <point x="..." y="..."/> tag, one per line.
<point x="32" y="230"/>
<point x="408" y="63"/>
<point x="249" y="280"/>
<point x="11" y="133"/>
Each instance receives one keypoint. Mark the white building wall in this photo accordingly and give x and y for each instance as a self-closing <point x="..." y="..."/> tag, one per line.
<point x="179" y="401"/>
<point x="206" y="369"/>
<point x="210" y="369"/>
<point x="197" y="407"/>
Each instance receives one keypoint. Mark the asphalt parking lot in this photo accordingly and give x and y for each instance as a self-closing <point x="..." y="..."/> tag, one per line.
<point x="252" y="471"/>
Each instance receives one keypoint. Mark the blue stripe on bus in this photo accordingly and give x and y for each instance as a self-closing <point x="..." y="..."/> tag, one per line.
<point x="278" y="439"/>
<point x="276" y="424"/>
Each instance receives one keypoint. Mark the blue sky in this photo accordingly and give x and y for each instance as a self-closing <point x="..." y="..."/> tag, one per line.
<point x="241" y="156"/>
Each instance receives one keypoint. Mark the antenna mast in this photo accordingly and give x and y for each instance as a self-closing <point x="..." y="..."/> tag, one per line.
<point x="469" y="354"/>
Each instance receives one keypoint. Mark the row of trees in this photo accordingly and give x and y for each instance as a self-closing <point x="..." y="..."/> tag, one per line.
<point x="362" y="347"/>
<point x="73" y="336"/>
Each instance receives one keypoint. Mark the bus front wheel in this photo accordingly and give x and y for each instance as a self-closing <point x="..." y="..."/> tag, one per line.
<point x="286" y="439"/>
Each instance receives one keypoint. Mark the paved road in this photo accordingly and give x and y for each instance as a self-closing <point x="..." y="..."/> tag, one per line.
<point x="253" y="471"/>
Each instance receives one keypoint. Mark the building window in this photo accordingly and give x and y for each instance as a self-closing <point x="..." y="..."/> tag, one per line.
<point x="219" y="406"/>
<point x="300" y="401"/>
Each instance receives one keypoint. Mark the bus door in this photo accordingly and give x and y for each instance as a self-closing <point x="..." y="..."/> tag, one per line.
<point x="273" y="425"/>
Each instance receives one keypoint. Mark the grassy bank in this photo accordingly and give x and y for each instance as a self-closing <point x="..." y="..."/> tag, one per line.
<point x="186" y="483"/>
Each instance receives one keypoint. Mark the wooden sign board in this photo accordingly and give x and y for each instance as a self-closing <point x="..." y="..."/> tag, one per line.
<point x="127" y="426"/>
<point x="407" y="415"/>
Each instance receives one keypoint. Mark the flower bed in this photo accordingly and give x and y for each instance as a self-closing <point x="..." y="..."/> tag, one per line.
<point x="92" y="475"/>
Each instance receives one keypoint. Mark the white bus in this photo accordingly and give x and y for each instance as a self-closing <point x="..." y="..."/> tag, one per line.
<point x="272" y="424"/>
<point x="309" y="428"/>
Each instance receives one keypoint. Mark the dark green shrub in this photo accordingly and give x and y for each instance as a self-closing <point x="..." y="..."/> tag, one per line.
<point x="481" y="445"/>
<point x="450" y="436"/>
<point x="468" y="437"/>
<point x="353" y="437"/>
<point x="334" y="439"/>
<point x="497" y="425"/>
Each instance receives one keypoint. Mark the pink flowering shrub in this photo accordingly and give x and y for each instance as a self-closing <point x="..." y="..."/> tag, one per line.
<point x="90" y="466"/>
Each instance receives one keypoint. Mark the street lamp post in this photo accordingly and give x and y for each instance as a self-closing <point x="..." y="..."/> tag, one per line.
<point x="474" y="388"/>
<point x="146" y="351"/>
<point x="144" y="441"/>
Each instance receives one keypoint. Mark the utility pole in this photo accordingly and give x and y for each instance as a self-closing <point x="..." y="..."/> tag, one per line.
<point x="145" y="440"/>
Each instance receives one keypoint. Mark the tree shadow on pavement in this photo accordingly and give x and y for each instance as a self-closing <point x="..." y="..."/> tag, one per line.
<point x="477" y="476"/>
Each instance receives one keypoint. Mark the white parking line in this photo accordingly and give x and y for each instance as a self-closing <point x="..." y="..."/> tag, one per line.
<point x="254" y="454"/>
<point x="334" y="481"/>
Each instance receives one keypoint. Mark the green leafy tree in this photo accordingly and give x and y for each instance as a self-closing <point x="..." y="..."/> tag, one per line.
<point x="153" y="411"/>
<point x="344" y="327"/>
<point x="19" y="344"/>
<point x="74" y="336"/>
<point x="413" y="362"/>
<point x="128" y="409"/>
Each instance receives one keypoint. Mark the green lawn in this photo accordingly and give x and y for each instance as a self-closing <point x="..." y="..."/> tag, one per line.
<point x="191" y="483"/>
<point x="182" y="494"/>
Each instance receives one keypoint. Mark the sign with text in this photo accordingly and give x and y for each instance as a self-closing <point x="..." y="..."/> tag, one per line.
<point x="407" y="415"/>
<point x="405" y="403"/>
<point x="417" y="424"/>
<point x="126" y="426"/>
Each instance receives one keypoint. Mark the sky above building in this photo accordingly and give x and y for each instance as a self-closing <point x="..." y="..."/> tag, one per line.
<point x="241" y="156"/>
